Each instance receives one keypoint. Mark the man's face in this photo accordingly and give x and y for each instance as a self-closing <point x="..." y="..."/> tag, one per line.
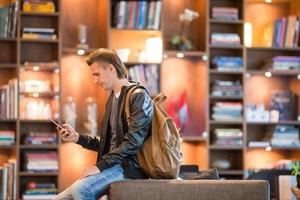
<point x="103" y="75"/>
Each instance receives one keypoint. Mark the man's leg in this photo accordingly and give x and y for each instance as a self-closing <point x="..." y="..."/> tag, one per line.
<point x="95" y="186"/>
<point x="66" y="194"/>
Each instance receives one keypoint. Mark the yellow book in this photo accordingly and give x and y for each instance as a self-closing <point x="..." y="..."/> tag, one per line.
<point x="44" y="7"/>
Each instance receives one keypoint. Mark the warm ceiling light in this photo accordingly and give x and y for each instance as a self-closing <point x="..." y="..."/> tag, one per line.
<point x="268" y="1"/>
<point x="298" y="77"/>
<point x="180" y="55"/>
<point x="36" y="68"/>
<point x="268" y="74"/>
<point x="80" y="52"/>
<point x="268" y="148"/>
<point x="35" y="95"/>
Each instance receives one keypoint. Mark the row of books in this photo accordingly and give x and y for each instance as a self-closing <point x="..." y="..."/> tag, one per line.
<point x="230" y="39"/>
<point x="39" y="33"/>
<point x="228" y="63"/>
<point x="7" y="137"/>
<point x="47" y="6"/>
<point x="9" y="100"/>
<point x="147" y="75"/>
<point x="286" y="32"/>
<point x="280" y="136"/>
<point x="285" y="136"/>
<point x="227" y="111"/>
<point x="41" y="161"/>
<point x="283" y="63"/>
<point x="228" y="136"/>
<point x="39" y="138"/>
<point x="39" y="191"/>
<point x="137" y="14"/>
<point x="8" y="20"/>
<point x="225" y="13"/>
<point x="227" y="88"/>
<point x="8" y="180"/>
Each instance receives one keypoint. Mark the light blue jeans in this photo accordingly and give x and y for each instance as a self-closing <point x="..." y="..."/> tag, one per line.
<point x="92" y="187"/>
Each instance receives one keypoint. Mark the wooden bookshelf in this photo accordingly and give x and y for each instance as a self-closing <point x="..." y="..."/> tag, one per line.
<point x="255" y="62"/>
<point x="233" y="154"/>
<point x="15" y="51"/>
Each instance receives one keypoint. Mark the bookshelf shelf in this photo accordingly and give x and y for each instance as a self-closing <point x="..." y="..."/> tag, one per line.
<point x="7" y="120"/>
<point x="139" y="30"/>
<point x="71" y="50"/>
<point x="272" y="49"/>
<point x="8" y="39"/>
<point x="40" y="94"/>
<point x="222" y="147"/>
<point x="36" y="174"/>
<point x="8" y="65"/>
<point x="39" y="40"/>
<point x="43" y="69"/>
<point x="220" y="21"/>
<point x="296" y="123"/>
<point x="226" y="97"/>
<point x="35" y="121"/>
<point x="43" y="146"/>
<point x="240" y="47"/>
<point x="215" y="71"/>
<point x="129" y="64"/>
<point x="237" y="122"/>
<point x="278" y="148"/>
<point x="8" y="146"/>
<point x="170" y="53"/>
<point x="40" y="14"/>
<point x="275" y="72"/>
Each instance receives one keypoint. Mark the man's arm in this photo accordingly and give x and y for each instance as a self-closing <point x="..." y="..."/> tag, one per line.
<point x="68" y="134"/>
<point x="141" y="111"/>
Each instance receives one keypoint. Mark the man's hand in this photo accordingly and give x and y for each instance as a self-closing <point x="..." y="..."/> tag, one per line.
<point x="90" y="171"/>
<point x="68" y="134"/>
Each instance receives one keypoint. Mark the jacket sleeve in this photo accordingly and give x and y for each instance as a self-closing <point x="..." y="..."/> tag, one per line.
<point x="141" y="111"/>
<point x="89" y="142"/>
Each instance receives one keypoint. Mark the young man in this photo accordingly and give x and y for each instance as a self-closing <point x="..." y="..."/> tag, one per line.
<point x="119" y="142"/>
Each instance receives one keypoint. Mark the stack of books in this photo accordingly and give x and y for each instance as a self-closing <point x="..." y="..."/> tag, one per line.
<point x="228" y="63"/>
<point x="137" y="14"/>
<point x="285" y="136"/>
<point x="283" y="63"/>
<point x="228" y="137"/>
<point x="8" y="180"/>
<point x="37" y="138"/>
<point x="227" y="111"/>
<point x="40" y="191"/>
<point x="227" y="88"/>
<point x="286" y="102"/>
<point x="226" y="13"/>
<point x="228" y="39"/>
<point x="7" y="137"/>
<point x="286" y="32"/>
<point x="41" y="161"/>
<point x="8" y="20"/>
<point x="9" y="100"/>
<point x="39" y="33"/>
<point x="147" y="75"/>
<point x="47" y="6"/>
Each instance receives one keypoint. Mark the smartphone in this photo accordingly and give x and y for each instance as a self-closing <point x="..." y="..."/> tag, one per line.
<point x="59" y="126"/>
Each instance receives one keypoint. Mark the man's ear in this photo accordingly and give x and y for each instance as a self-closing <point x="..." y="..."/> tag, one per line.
<point x="112" y="68"/>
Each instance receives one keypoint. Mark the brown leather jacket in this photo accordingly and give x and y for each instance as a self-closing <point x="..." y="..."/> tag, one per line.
<point x="129" y="139"/>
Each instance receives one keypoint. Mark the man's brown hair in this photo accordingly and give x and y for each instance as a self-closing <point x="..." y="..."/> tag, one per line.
<point x="109" y="57"/>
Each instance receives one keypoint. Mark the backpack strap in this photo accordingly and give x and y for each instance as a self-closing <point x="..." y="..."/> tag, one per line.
<point x="132" y="90"/>
<point x="160" y="98"/>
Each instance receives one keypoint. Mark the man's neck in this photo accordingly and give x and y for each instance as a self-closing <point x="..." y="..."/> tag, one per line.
<point x="119" y="84"/>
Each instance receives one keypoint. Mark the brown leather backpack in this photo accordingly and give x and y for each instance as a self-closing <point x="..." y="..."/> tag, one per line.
<point x="160" y="156"/>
